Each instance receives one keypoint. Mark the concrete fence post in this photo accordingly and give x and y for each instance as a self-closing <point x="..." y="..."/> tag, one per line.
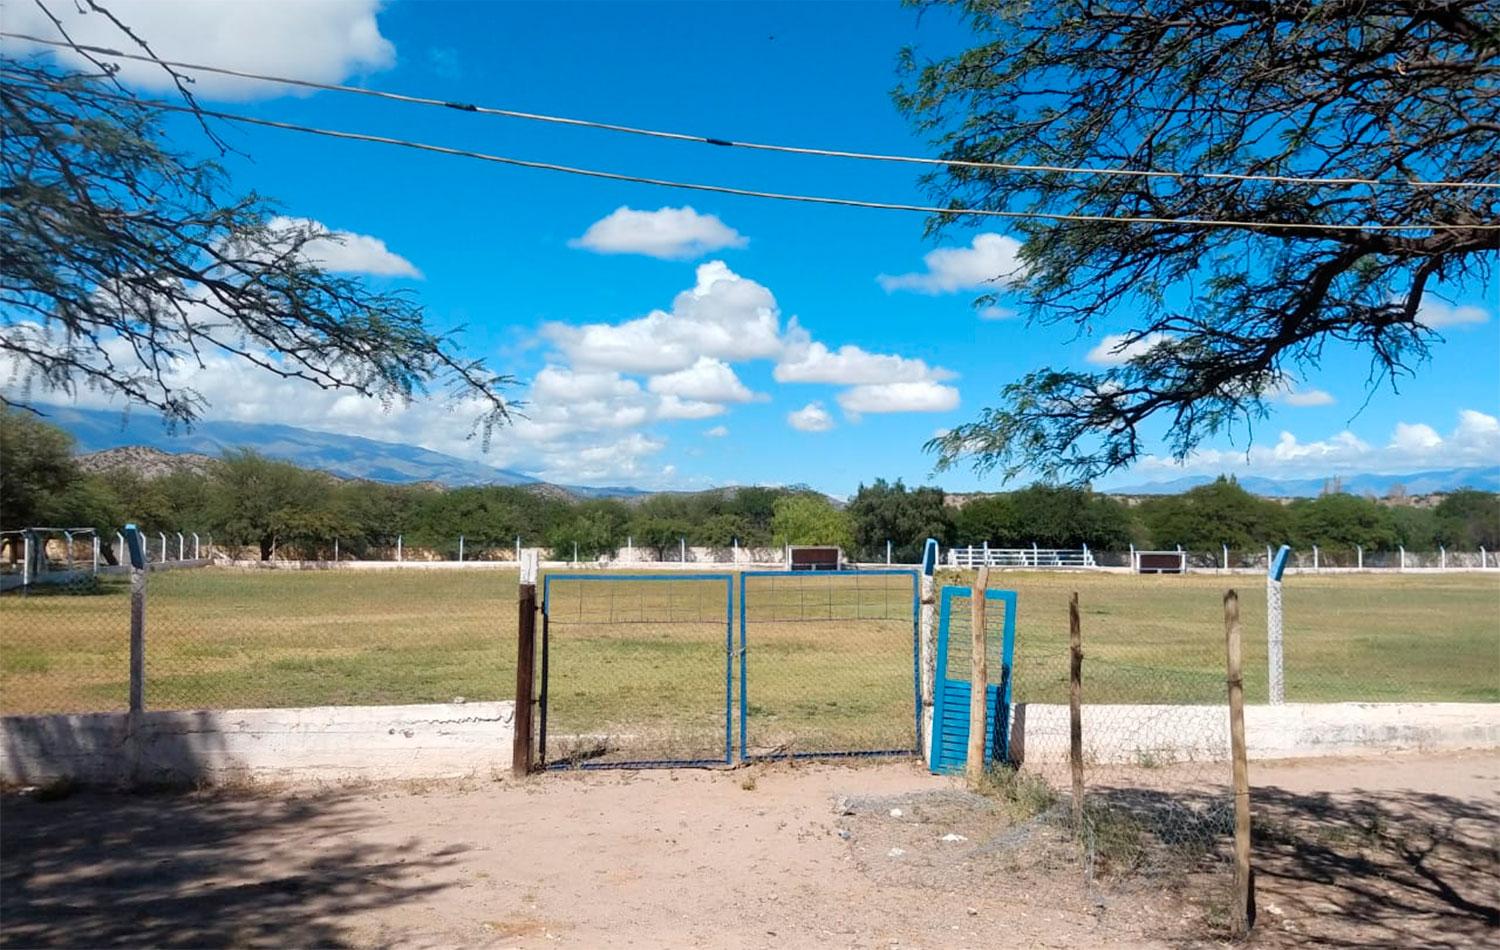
<point x="1315" y="558"/>
<point x="682" y="547"/>
<point x="888" y="552"/>
<point x="1359" y="555"/>
<point x="181" y="547"/>
<point x="1481" y="557"/>
<point x="120" y="545"/>
<point x="195" y="546"/>
<point x="1275" y="669"/>
<point x="1132" y="556"/>
<point x="96" y="552"/>
<point x="575" y="553"/>
<point x="1036" y="557"/>
<point x="518" y="549"/>
<point x="163" y="536"/>
<point x="1225" y="548"/>
<point x="335" y="550"/>
<point x="1402" y="549"/>
<point x="398" y="549"/>
<point x="1442" y="558"/>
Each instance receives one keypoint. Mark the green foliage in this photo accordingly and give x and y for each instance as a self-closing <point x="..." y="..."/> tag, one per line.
<point x="1050" y="516"/>
<point x="39" y="470"/>
<point x="1214" y="514"/>
<point x="811" y="519"/>
<point x="264" y="502"/>
<point x="883" y="512"/>
<point x="1343" y="522"/>
<point x="1469" y="519"/>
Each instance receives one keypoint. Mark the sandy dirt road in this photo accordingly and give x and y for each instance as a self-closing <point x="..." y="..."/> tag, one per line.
<point x="778" y="856"/>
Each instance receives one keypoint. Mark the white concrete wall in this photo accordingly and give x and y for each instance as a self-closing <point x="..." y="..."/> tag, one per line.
<point x="1128" y="735"/>
<point x="321" y="743"/>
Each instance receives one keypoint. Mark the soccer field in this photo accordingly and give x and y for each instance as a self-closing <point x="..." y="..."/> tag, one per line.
<point x="221" y="638"/>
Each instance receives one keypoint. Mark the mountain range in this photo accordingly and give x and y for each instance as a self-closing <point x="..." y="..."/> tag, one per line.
<point x="349" y="456"/>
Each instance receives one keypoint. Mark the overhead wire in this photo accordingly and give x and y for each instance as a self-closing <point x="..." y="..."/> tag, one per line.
<point x="747" y="145"/>
<point x="770" y="195"/>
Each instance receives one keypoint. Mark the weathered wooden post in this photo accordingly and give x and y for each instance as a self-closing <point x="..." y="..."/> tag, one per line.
<point x="522" y="754"/>
<point x="927" y="629"/>
<point x="1241" y="911"/>
<point x="1075" y="708"/>
<point x="978" y="679"/>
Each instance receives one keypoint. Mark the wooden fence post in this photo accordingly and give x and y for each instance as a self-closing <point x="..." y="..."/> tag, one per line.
<point x="1075" y="708"/>
<point x="978" y="679"/>
<point x="522" y="754"/>
<point x="1242" y="909"/>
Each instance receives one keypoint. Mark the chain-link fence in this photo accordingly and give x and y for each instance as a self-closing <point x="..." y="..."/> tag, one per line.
<point x="829" y="663"/>
<point x="636" y="669"/>
<point x="219" y="638"/>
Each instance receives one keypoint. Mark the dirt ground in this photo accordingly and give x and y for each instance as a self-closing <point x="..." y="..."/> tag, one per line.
<point x="1394" y="852"/>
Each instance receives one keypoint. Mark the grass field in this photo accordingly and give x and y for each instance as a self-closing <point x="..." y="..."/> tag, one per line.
<point x="830" y="665"/>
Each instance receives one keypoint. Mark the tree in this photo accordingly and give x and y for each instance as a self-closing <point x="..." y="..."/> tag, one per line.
<point x="811" y="519"/>
<point x="1220" y="512"/>
<point x="38" y="471"/>
<point x="123" y="256"/>
<point x="1469" y="519"/>
<point x="884" y="512"/>
<point x="267" y="503"/>
<point x="1221" y="318"/>
<point x="1337" y="521"/>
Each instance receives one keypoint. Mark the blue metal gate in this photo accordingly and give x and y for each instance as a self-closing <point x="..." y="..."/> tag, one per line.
<point x="828" y="664"/>
<point x="951" y="695"/>
<point x="636" y="670"/>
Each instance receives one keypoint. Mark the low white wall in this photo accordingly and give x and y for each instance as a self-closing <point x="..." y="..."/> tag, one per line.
<point x="320" y="743"/>
<point x="1163" y="734"/>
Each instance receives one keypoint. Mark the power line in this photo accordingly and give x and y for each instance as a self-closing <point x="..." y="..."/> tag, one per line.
<point x="753" y="146"/>
<point x="771" y="195"/>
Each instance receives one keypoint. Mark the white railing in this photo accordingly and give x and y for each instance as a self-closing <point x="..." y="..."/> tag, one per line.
<point x="1020" y="557"/>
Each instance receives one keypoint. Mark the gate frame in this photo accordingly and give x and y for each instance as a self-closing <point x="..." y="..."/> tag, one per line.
<point x="916" y="664"/>
<point x="728" y="759"/>
<point x="1000" y="747"/>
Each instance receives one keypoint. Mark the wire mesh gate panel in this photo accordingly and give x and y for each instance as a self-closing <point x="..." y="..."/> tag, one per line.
<point x="636" y="670"/>
<point x="828" y="664"/>
<point x="952" y="686"/>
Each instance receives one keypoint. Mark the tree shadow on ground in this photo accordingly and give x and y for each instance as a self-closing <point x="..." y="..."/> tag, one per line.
<point x="1347" y="869"/>
<point x="195" y="869"/>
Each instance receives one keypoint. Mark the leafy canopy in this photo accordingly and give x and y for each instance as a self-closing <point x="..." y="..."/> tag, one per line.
<point x="1216" y="320"/>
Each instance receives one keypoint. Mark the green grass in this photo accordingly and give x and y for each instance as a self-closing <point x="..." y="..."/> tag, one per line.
<point x="830" y="665"/>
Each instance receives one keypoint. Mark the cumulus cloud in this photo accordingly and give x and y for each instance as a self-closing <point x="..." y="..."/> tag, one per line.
<point x="724" y="316"/>
<point x="667" y="233"/>
<point x="808" y="361"/>
<point x="1412" y="446"/>
<point x="1291" y="395"/>
<point x="997" y="313"/>
<point x="920" y="396"/>
<point x="810" y="418"/>
<point x="707" y="380"/>
<point x="326" y="41"/>
<point x="1113" y="350"/>
<point x="347" y="252"/>
<point x="990" y="262"/>
<point x="717" y="432"/>
<point x="1439" y="314"/>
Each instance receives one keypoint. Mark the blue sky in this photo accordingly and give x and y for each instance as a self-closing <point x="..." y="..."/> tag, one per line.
<point x="664" y="347"/>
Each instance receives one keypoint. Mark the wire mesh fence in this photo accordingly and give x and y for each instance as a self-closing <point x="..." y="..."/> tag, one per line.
<point x="65" y="645"/>
<point x="636" y="669"/>
<point x="829" y="663"/>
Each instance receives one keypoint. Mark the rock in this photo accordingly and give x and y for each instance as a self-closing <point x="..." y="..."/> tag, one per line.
<point x="895" y="853"/>
<point x="973" y="911"/>
<point x="844" y="833"/>
<point x="896" y="813"/>
<point x="950" y="836"/>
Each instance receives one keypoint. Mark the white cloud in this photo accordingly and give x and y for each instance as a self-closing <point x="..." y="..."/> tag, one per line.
<point x="327" y="41"/>
<point x="990" y="262"/>
<point x="667" y="233"/>
<point x="810" y="418"/>
<point x="1292" y="396"/>
<point x="920" y="396"/>
<point x="724" y="316"/>
<point x="997" y="313"/>
<point x="717" y="432"/>
<point x="1113" y="350"/>
<point x="1412" y="447"/>
<point x="347" y="252"/>
<point x="808" y="361"/>
<point x="1439" y="314"/>
<point x="707" y="380"/>
<point x="675" y="407"/>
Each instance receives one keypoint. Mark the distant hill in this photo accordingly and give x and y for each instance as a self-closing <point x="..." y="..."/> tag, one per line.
<point x="1486" y="478"/>
<point x="344" y="455"/>
<point x="145" y="461"/>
